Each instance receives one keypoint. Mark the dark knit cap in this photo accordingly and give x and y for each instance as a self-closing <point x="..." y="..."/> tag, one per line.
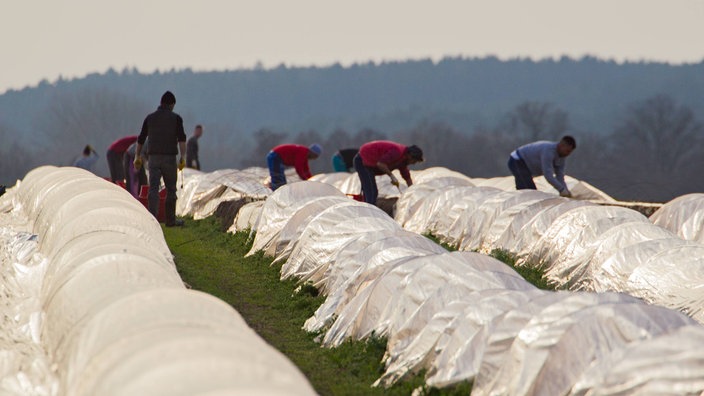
<point x="415" y="152"/>
<point x="168" y="98"/>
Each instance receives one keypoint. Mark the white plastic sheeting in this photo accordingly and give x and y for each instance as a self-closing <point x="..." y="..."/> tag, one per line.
<point x="579" y="188"/>
<point x="668" y="364"/>
<point x="466" y="316"/>
<point x="26" y="365"/>
<point x="553" y="350"/>
<point x="203" y="192"/>
<point x="329" y="232"/>
<point x="417" y="196"/>
<point x="200" y="193"/>
<point x="358" y="262"/>
<point x="349" y="183"/>
<point x="287" y="237"/>
<point x="684" y="216"/>
<point x="579" y="245"/>
<point x="246" y="217"/>
<point x="386" y="304"/>
<point x="281" y="205"/>
<point x="112" y="312"/>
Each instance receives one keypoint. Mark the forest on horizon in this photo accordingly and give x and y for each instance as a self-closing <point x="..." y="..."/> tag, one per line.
<point x="638" y="125"/>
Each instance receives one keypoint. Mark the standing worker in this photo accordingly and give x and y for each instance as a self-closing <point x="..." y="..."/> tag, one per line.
<point x="290" y="155"/>
<point x="115" y="157"/>
<point x="343" y="160"/>
<point x="542" y="158"/>
<point x="192" y="160"/>
<point x="87" y="159"/>
<point x="164" y="128"/>
<point x="380" y="157"/>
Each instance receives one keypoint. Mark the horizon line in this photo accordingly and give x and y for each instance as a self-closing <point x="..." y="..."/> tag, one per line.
<point x="259" y="65"/>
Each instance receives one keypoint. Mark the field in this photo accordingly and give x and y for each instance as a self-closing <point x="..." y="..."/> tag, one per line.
<point x="212" y="261"/>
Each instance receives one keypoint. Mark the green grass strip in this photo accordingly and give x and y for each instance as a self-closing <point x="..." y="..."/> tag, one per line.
<point x="529" y="272"/>
<point x="213" y="261"/>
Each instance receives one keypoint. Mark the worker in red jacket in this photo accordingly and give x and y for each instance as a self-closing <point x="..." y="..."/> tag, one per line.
<point x="115" y="157"/>
<point x="380" y="157"/>
<point x="294" y="155"/>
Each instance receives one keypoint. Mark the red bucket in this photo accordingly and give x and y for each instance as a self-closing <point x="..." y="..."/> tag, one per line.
<point x="144" y="199"/>
<point x="357" y="197"/>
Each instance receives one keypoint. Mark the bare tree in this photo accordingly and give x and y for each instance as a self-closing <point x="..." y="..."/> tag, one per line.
<point x="15" y="160"/>
<point x="441" y="144"/>
<point x="264" y="140"/>
<point x="90" y="116"/>
<point x="339" y="139"/>
<point x="591" y="163"/>
<point x="531" y="121"/>
<point x="657" y="149"/>
<point x="487" y="152"/>
<point x="223" y="148"/>
<point x="367" y="135"/>
<point x="308" y="137"/>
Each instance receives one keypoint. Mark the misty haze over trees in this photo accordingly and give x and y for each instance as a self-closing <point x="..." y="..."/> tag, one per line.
<point x="638" y="125"/>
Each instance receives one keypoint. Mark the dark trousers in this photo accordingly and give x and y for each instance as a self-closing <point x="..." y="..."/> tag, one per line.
<point x="163" y="166"/>
<point x="276" y="170"/>
<point x="115" y="165"/>
<point x="368" y="180"/>
<point x="524" y="179"/>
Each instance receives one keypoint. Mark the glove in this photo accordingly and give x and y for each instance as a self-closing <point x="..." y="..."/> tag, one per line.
<point x="181" y="163"/>
<point x="394" y="181"/>
<point x="566" y="193"/>
<point x="137" y="163"/>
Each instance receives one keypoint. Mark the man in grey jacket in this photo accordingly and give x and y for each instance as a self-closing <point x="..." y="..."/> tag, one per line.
<point x="542" y="158"/>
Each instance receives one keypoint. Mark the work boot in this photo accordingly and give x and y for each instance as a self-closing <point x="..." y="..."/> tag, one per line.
<point x="170" y="214"/>
<point x="176" y="223"/>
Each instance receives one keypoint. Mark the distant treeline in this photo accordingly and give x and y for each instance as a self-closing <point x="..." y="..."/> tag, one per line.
<point x="638" y="125"/>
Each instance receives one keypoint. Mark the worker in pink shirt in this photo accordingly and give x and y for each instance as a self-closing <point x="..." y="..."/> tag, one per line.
<point x="116" y="155"/>
<point x="294" y="155"/>
<point x="381" y="157"/>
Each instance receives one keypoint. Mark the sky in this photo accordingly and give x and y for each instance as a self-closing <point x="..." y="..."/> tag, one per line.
<point x="45" y="40"/>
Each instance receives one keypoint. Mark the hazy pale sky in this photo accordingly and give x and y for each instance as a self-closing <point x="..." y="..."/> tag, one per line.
<point x="71" y="38"/>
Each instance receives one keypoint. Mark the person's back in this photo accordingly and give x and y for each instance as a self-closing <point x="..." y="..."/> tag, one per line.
<point x="122" y="144"/>
<point x="294" y="155"/>
<point x="164" y="129"/>
<point x="382" y="157"/>
<point x="115" y="157"/>
<point x="544" y="158"/>
<point x="162" y="124"/>
<point x="384" y="151"/>
<point x="87" y="159"/>
<point x="538" y="154"/>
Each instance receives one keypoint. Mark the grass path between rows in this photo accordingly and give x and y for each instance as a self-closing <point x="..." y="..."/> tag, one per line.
<point x="213" y="261"/>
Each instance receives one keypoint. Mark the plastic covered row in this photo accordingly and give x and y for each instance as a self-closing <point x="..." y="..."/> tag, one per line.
<point x="114" y="316"/>
<point x="684" y="216"/>
<point x="465" y="316"/>
<point x="578" y="244"/>
<point x="200" y="193"/>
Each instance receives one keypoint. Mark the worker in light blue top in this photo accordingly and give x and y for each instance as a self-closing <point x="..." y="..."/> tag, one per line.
<point x="87" y="159"/>
<point x="542" y="158"/>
